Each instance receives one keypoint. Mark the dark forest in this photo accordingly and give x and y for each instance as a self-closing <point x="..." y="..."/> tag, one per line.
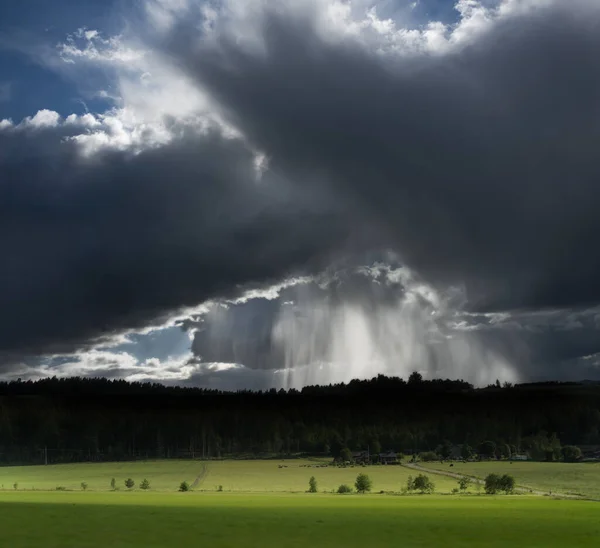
<point x="76" y="419"/>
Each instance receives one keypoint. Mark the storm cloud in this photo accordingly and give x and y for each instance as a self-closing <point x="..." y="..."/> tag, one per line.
<point x="470" y="150"/>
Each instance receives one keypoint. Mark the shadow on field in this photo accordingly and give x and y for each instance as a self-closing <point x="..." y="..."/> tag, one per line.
<point x="79" y="521"/>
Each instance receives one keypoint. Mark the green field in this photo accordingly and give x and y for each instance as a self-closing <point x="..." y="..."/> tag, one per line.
<point x="159" y="520"/>
<point x="569" y="478"/>
<point x="242" y="475"/>
<point x="265" y="505"/>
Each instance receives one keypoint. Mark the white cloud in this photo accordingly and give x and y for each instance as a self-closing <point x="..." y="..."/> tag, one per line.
<point x="43" y="119"/>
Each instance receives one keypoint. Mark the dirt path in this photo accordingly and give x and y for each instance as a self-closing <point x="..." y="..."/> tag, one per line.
<point x="518" y="489"/>
<point x="200" y="477"/>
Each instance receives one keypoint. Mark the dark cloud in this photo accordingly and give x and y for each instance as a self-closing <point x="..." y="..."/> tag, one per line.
<point x="478" y="166"/>
<point x="97" y="245"/>
<point x="481" y="163"/>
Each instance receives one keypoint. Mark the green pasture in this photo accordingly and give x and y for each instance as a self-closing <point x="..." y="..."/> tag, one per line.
<point x="233" y="475"/>
<point x="569" y="478"/>
<point x="158" y="520"/>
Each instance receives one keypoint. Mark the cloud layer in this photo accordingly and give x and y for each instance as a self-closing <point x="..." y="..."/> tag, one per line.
<point x="249" y="143"/>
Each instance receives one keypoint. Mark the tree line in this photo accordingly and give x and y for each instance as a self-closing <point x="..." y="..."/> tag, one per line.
<point x="79" y="419"/>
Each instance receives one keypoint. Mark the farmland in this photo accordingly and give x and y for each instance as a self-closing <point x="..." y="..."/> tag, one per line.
<point x="264" y="503"/>
<point x="156" y="520"/>
<point x="569" y="478"/>
<point x="233" y="475"/>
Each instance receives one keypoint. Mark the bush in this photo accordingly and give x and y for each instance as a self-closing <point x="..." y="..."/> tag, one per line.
<point x="429" y="456"/>
<point x="16" y="486"/>
<point x="145" y="485"/>
<point x="312" y="485"/>
<point x="219" y="488"/>
<point x="84" y="485"/>
<point x="463" y="483"/>
<point x="184" y="486"/>
<point x="423" y="483"/>
<point x="507" y="484"/>
<point x="113" y="484"/>
<point x="363" y="483"/>
<point x="60" y="488"/>
<point x="129" y="483"/>
<point x="344" y="488"/>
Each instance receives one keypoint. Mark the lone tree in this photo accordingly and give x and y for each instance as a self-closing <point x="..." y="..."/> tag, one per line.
<point x="492" y="484"/>
<point x="312" y="485"/>
<point x="184" y="486"/>
<point x="145" y="484"/>
<point x="129" y="483"/>
<point x="495" y="483"/>
<point x="113" y="484"/>
<point x="424" y="484"/>
<point x="84" y="485"/>
<point x="363" y="483"/>
<point x="507" y="484"/>
<point x="463" y="483"/>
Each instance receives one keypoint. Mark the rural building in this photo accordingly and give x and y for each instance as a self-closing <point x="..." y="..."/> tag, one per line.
<point x="391" y="457"/>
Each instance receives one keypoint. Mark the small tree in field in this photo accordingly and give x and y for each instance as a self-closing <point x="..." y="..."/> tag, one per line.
<point x="84" y="485"/>
<point x="363" y="483"/>
<point x="507" y="484"/>
<point x="344" y="489"/>
<point x="424" y="484"/>
<point x="184" y="486"/>
<point x="113" y="484"/>
<point x="492" y="484"/>
<point x="463" y="483"/>
<point x="145" y="485"/>
<point x="129" y="483"/>
<point x="312" y="485"/>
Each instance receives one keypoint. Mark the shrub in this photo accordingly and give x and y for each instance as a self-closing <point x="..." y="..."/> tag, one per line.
<point x="463" y="483"/>
<point x="344" y="488"/>
<point x="184" y="486"/>
<point x="424" y="484"/>
<point x="312" y="485"/>
<point x="129" y="483"/>
<point x="492" y="484"/>
<point x="113" y="484"/>
<point x="145" y="485"/>
<point x="363" y="483"/>
<point x="429" y="456"/>
<point x="84" y="485"/>
<point x="219" y="488"/>
<point x="15" y="485"/>
<point x="60" y="488"/>
<point x="507" y="483"/>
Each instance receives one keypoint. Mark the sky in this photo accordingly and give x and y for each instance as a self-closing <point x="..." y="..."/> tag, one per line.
<point x="242" y="194"/>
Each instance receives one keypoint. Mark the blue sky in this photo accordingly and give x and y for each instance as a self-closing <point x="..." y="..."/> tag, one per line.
<point x="30" y="27"/>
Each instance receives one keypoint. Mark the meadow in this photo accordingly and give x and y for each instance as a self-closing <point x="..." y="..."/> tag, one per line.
<point x="578" y="478"/>
<point x="253" y="476"/>
<point x="265" y="504"/>
<point x="157" y="520"/>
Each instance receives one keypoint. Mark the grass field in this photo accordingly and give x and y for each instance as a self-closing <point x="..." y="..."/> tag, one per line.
<point x="265" y="505"/>
<point x="243" y="475"/>
<point x="570" y="478"/>
<point x="158" y="520"/>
